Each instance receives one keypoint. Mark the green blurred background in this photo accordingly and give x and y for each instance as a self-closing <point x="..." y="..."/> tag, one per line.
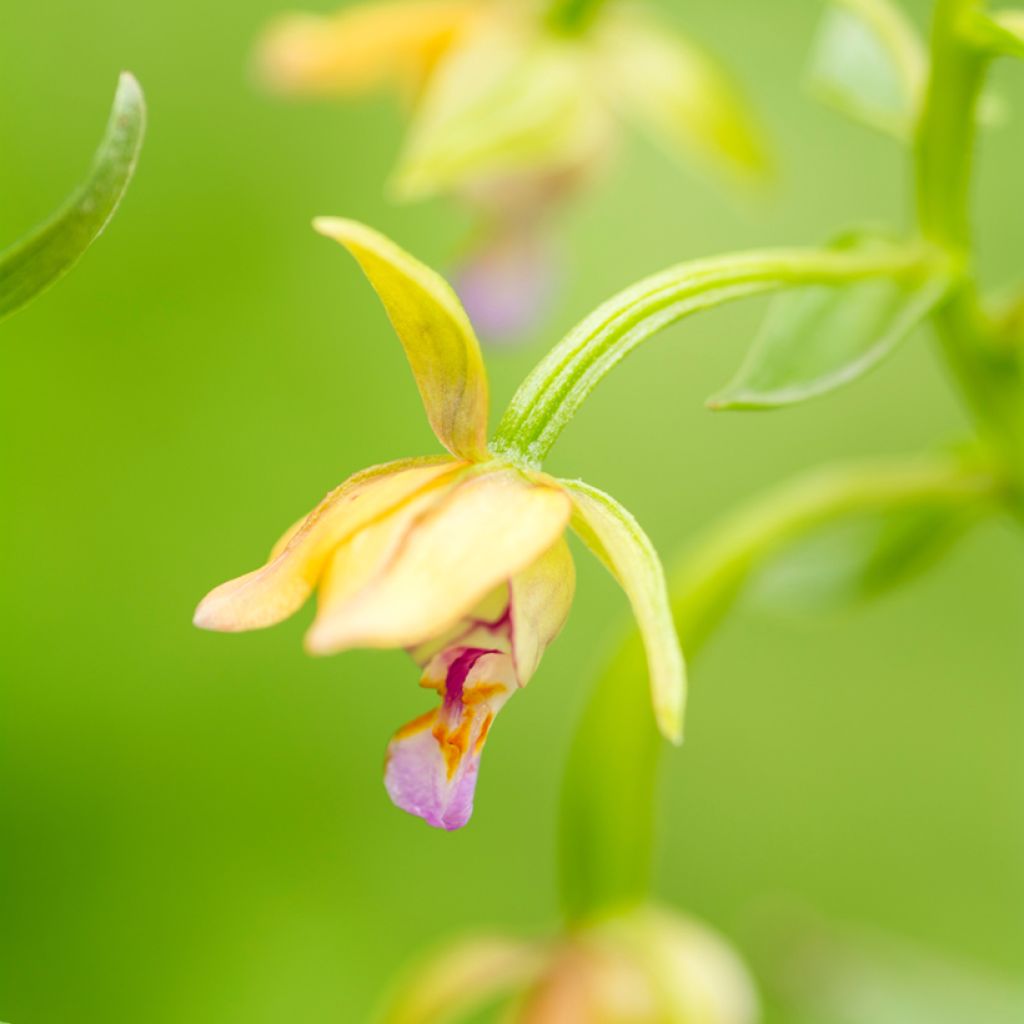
<point x="194" y="826"/>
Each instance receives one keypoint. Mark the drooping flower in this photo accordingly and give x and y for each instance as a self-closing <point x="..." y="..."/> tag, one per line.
<point x="515" y="107"/>
<point x="647" y="965"/>
<point x="460" y="559"/>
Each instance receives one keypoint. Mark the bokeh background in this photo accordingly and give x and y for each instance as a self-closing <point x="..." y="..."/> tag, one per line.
<point x="193" y="825"/>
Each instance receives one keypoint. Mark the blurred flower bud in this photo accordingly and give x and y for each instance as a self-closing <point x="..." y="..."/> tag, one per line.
<point x="649" y="966"/>
<point x="645" y="966"/>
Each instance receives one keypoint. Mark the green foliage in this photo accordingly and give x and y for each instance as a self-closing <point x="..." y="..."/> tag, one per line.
<point x="1001" y="32"/>
<point x="861" y="557"/>
<point x="869" y="63"/>
<point x="817" y="339"/>
<point x="548" y="399"/>
<point x="34" y="263"/>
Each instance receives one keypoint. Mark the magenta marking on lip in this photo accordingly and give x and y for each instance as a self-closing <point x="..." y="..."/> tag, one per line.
<point x="458" y="671"/>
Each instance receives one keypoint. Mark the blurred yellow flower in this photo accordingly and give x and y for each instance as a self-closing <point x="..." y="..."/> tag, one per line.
<point x="647" y="965"/>
<point x="512" y="111"/>
<point x="460" y="559"/>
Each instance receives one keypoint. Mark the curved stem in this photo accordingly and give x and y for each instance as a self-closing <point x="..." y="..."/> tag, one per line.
<point x="550" y="396"/>
<point x="606" y="830"/>
<point x="991" y="378"/>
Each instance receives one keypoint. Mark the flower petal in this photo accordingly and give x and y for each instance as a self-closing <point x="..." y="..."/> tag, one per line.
<point x="432" y="762"/>
<point x="616" y="538"/>
<point x="361" y="47"/>
<point x="490" y="527"/>
<point x="678" y="91"/>
<point x="462" y="978"/>
<point x="434" y="330"/>
<point x="507" y="280"/>
<point x="280" y="588"/>
<point x="509" y="101"/>
<point x="540" y="597"/>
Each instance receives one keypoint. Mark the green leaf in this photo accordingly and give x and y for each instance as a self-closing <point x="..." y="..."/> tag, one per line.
<point x="912" y="495"/>
<point x="38" y="260"/>
<point x="606" y="821"/>
<point x="1000" y="32"/>
<point x="861" y="557"/>
<point x="553" y="392"/>
<point x="869" y="63"/>
<point x="817" y="339"/>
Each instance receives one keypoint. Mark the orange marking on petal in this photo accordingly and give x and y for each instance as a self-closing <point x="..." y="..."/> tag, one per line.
<point x="416" y="725"/>
<point x="481" y="692"/>
<point x="432" y="684"/>
<point x="484" y="730"/>
<point x="452" y="758"/>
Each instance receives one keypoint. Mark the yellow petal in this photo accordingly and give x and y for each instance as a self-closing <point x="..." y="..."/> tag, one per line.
<point x="434" y="330"/>
<point x="280" y="588"/>
<point x="361" y="47"/>
<point x="682" y="95"/>
<point x="616" y="538"/>
<point x="487" y="529"/>
<point x="540" y="598"/>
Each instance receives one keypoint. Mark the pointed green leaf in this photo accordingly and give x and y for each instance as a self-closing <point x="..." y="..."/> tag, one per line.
<point x="817" y="339"/>
<point x="921" y="504"/>
<point x="38" y="260"/>
<point x="862" y="557"/>
<point x="619" y="542"/>
<point x="687" y="101"/>
<point x="869" y="63"/>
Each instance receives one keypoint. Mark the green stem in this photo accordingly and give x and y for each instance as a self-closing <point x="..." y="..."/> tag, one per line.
<point x="573" y="16"/>
<point x="990" y="377"/>
<point x="553" y="392"/>
<point x="607" y="818"/>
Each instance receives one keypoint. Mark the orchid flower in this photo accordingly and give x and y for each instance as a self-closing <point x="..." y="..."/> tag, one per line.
<point x="646" y="965"/>
<point x="514" y="107"/>
<point x="460" y="559"/>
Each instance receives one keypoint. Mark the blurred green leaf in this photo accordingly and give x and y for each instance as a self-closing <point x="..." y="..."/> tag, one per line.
<point x="724" y="564"/>
<point x="38" y="260"/>
<point x="869" y="63"/>
<point x="689" y="103"/>
<point x="848" y="975"/>
<point x="819" y="338"/>
<point x="1001" y="32"/>
<point x="861" y="557"/>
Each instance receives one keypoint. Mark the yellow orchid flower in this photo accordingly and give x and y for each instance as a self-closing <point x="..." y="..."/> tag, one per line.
<point x="646" y="965"/>
<point x="460" y="559"/>
<point x="392" y="42"/>
<point x="514" y="89"/>
<point x="515" y="106"/>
